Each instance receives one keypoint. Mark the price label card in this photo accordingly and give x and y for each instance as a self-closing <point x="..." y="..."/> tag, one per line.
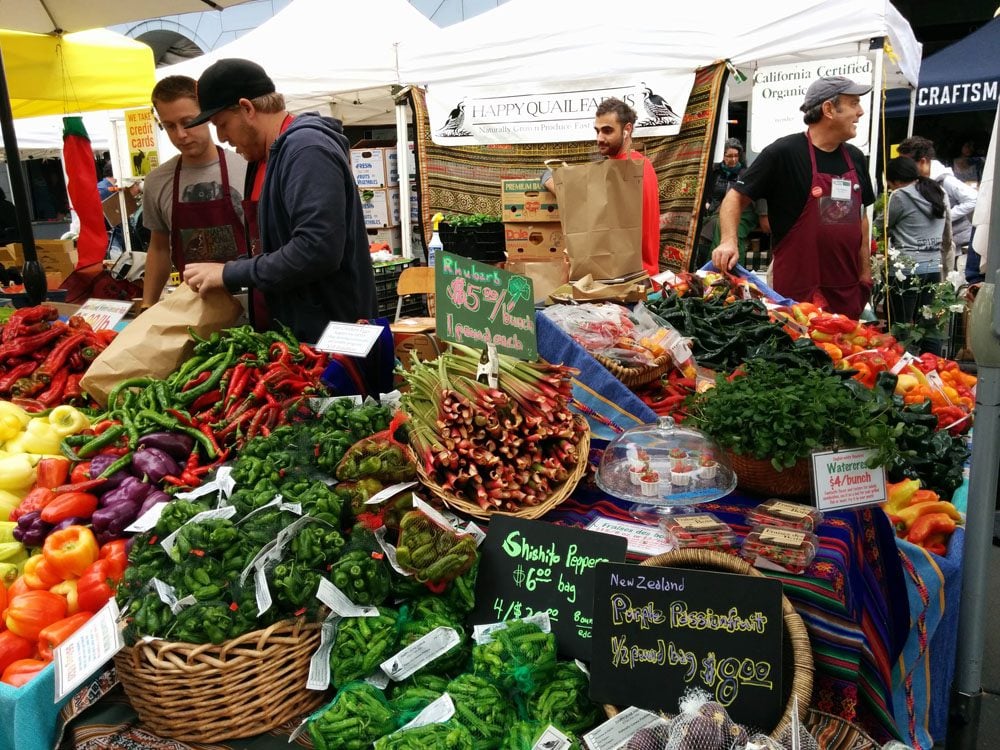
<point x="104" y="313"/>
<point x="147" y="520"/>
<point x="436" y="712"/>
<point x="641" y="539"/>
<point x="420" y="653"/>
<point x="842" y="479"/>
<point x="351" y="339"/>
<point x="617" y="730"/>
<point x="87" y="650"/>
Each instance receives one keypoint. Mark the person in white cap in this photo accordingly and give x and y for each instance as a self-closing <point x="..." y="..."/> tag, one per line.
<point x="816" y="186"/>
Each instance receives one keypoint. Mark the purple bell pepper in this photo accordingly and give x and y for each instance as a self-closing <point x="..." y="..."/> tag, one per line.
<point x="131" y="490"/>
<point x="101" y="462"/>
<point x="154" y="497"/>
<point x="110" y="521"/>
<point x="155" y="464"/>
<point x="177" y="445"/>
<point x="31" y="530"/>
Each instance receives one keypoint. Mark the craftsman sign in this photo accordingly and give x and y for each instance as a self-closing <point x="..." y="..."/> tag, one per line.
<point x="528" y="567"/>
<point x="660" y="631"/>
<point x="479" y="304"/>
<point x="467" y="116"/>
<point x="843" y="479"/>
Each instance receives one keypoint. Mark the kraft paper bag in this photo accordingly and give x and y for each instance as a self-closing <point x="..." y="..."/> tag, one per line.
<point x="157" y="342"/>
<point x="600" y="205"/>
<point x="546" y="275"/>
<point x="589" y="290"/>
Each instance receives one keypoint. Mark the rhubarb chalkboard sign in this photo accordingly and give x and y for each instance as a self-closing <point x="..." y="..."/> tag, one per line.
<point x="659" y="631"/>
<point x="527" y="567"/>
<point x="478" y="304"/>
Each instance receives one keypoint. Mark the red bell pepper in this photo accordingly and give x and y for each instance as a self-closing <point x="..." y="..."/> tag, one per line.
<point x="71" y="550"/>
<point x="12" y="648"/>
<point x="70" y="505"/>
<point x="96" y="585"/>
<point x="116" y="553"/>
<point x="22" y="671"/>
<point x="29" y="613"/>
<point x="37" y="499"/>
<point x="59" y="631"/>
<point x="80" y="473"/>
<point x="51" y="472"/>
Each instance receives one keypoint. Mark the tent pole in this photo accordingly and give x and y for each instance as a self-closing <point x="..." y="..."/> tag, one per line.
<point x="874" y="118"/>
<point x="34" y="277"/>
<point x="403" y="165"/>
<point x="913" y="112"/>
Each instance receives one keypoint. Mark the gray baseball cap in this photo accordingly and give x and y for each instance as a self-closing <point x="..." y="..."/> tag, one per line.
<point x="824" y="89"/>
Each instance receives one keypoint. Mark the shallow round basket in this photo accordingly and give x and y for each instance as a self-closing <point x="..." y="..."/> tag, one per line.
<point x="633" y="377"/>
<point x="797" y="673"/>
<point x="561" y="492"/>
<point x="759" y="476"/>
<point x="208" y="693"/>
<point x="834" y="733"/>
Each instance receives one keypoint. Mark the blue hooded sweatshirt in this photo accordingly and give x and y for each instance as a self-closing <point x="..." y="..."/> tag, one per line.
<point x="315" y="266"/>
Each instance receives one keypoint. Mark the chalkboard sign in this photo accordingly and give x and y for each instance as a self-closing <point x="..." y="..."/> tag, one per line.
<point x="659" y="631"/>
<point x="532" y="566"/>
<point x="478" y="304"/>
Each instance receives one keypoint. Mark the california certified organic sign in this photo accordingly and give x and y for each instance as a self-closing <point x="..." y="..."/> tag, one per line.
<point x="546" y="114"/>
<point x="778" y="92"/>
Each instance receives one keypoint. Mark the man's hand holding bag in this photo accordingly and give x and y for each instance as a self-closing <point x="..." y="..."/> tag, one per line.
<point x="600" y="205"/>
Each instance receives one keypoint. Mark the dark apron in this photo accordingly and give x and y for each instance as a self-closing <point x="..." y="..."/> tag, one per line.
<point x="819" y="259"/>
<point x="259" y="315"/>
<point x="205" y="231"/>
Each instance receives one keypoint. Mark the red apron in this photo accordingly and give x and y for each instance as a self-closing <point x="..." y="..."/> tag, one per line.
<point x="205" y="231"/>
<point x="819" y="259"/>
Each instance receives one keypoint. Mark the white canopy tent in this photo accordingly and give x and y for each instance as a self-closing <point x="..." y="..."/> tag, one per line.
<point x="340" y="58"/>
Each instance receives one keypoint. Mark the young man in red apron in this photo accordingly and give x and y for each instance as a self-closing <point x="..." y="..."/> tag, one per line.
<point x="192" y="203"/>
<point x="816" y="186"/>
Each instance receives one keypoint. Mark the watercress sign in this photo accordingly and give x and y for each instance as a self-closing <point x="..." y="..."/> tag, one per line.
<point x="659" y="631"/>
<point x="478" y="304"/>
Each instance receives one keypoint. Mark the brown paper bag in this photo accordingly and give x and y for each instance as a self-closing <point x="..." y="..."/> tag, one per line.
<point x="600" y="205"/>
<point x="546" y="275"/>
<point x="156" y="342"/>
<point x="589" y="290"/>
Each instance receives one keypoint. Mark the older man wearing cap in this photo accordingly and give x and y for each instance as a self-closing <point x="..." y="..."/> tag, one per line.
<point x="816" y="186"/>
<point x="309" y="261"/>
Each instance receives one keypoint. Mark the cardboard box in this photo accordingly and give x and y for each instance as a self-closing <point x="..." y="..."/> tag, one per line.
<point x="415" y="335"/>
<point x="56" y="256"/>
<point x="527" y="201"/>
<point x="391" y="236"/>
<point x="380" y="207"/>
<point x="374" y="164"/>
<point x="533" y="240"/>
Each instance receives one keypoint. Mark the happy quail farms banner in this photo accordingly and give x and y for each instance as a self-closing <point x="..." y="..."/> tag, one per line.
<point x="469" y="116"/>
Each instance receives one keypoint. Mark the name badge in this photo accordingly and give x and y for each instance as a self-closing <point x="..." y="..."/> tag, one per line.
<point x="841" y="190"/>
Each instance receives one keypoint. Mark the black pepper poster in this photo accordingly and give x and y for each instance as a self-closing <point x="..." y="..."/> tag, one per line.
<point x="527" y="567"/>
<point x="660" y="631"/>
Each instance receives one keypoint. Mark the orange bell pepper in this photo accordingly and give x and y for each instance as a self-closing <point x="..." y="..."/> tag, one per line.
<point x="12" y="648"/>
<point x="29" y="613"/>
<point x="116" y="552"/>
<point x="96" y="585"/>
<point x="69" y="591"/>
<point x="59" y="631"/>
<point x="22" y="671"/>
<point x="71" y="550"/>
<point x="69" y="505"/>
<point x="38" y="573"/>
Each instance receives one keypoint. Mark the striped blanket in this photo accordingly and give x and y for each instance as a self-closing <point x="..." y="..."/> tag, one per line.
<point x="466" y="179"/>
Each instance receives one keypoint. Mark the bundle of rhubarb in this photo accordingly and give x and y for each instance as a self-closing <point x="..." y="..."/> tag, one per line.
<point x="487" y="449"/>
<point x="43" y="359"/>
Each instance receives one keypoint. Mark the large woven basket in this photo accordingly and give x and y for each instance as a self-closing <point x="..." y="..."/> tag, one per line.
<point x="208" y="693"/>
<point x="563" y="491"/>
<point x="795" y="641"/>
<point x="634" y="377"/>
<point x="759" y="476"/>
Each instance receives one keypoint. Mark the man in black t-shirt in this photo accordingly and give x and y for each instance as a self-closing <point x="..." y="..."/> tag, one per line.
<point x="816" y="188"/>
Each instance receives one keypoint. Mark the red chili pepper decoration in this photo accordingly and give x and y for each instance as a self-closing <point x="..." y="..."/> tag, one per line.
<point x="78" y="160"/>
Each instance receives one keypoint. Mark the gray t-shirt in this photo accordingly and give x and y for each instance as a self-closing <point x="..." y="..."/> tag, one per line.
<point x="198" y="183"/>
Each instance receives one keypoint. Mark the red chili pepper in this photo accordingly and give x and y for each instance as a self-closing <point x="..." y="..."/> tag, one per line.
<point x="22" y="370"/>
<point x="56" y="389"/>
<point x="27" y="316"/>
<point x="206" y="430"/>
<point x="85" y="486"/>
<point x="200" y="378"/>
<point x="28" y="344"/>
<point x="60" y="352"/>
<point x="206" y="399"/>
<point x="73" y="389"/>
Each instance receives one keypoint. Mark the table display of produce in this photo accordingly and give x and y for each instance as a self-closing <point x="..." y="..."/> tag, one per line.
<point x="304" y="535"/>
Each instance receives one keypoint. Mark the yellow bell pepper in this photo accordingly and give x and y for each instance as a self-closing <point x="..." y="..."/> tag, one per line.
<point x="68" y="420"/>
<point x="900" y="494"/>
<point x="38" y="437"/>
<point x="13" y="419"/>
<point x="16" y="472"/>
<point x="68" y="590"/>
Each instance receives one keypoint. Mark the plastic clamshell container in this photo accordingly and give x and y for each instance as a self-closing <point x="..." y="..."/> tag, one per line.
<point x="785" y="515"/>
<point x="774" y="548"/>
<point x="698" y="531"/>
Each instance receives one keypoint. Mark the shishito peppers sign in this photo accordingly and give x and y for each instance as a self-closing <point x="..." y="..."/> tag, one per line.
<point x="140" y="130"/>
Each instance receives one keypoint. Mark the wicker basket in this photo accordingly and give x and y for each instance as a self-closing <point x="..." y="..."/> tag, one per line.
<point x="759" y="476"/>
<point x="796" y="638"/>
<point x="532" y="511"/>
<point x="634" y="377"/>
<point x="208" y="693"/>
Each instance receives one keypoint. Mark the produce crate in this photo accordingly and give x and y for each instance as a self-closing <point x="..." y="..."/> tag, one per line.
<point x="386" y="280"/>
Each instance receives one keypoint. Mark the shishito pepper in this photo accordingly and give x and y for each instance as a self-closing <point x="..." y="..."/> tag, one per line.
<point x="71" y="550"/>
<point x="357" y="717"/>
<point x="932" y="532"/>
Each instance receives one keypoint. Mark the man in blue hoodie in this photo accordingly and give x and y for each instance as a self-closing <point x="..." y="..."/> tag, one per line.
<point x="309" y="261"/>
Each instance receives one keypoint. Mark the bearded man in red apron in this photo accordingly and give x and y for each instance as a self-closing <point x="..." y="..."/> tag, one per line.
<point x="192" y="203"/>
<point x="816" y="186"/>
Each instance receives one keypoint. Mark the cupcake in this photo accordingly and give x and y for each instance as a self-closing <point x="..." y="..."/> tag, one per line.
<point x="650" y="484"/>
<point x="677" y="454"/>
<point x="636" y="470"/>
<point x="681" y="473"/>
<point x="707" y="467"/>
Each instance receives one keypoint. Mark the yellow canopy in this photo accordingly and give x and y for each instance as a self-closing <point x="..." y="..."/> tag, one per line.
<point x="79" y="72"/>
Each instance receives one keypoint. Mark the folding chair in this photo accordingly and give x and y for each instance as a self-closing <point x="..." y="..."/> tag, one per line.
<point x="415" y="280"/>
